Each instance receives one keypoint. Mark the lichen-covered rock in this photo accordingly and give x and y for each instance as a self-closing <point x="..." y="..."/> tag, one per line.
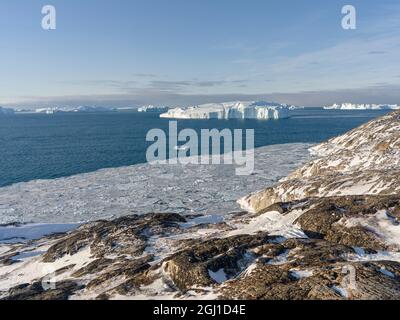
<point x="36" y="291"/>
<point x="327" y="218"/>
<point x="315" y="269"/>
<point x="191" y="267"/>
<point x="219" y="265"/>
<point x="126" y="235"/>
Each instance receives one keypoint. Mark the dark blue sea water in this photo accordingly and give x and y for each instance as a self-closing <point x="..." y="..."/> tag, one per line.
<point x="38" y="146"/>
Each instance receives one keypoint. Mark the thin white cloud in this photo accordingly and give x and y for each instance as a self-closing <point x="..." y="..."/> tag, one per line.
<point x="373" y="94"/>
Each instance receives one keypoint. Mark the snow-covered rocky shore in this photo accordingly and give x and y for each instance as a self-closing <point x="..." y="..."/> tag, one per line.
<point x="329" y="230"/>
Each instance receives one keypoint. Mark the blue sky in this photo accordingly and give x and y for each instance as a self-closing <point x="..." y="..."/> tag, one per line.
<point x="132" y="52"/>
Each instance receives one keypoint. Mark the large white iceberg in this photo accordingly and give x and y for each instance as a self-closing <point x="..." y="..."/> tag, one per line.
<point x="6" y="111"/>
<point x="354" y="106"/>
<point x="231" y="110"/>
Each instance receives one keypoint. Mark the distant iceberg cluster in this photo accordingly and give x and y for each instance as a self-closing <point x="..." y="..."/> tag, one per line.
<point x="53" y="110"/>
<point x="6" y="111"/>
<point x="152" y="108"/>
<point x="353" y="106"/>
<point x="231" y="110"/>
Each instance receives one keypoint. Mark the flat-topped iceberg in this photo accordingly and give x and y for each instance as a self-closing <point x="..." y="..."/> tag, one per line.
<point x="354" y="106"/>
<point x="231" y="110"/>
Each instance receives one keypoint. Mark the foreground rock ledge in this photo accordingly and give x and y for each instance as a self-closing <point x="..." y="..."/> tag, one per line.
<point x="331" y="230"/>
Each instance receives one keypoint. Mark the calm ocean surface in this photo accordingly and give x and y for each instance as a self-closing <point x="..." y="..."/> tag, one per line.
<point x="37" y="146"/>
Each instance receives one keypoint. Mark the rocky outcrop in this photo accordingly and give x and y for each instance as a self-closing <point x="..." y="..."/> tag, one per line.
<point x="364" y="161"/>
<point x="221" y="265"/>
<point x="37" y="291"/>
<point x="123" y="236"/>
<point x="331" y="230"/>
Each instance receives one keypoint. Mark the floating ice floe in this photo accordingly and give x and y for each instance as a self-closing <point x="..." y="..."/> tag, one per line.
<point x="144" y="188"/>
